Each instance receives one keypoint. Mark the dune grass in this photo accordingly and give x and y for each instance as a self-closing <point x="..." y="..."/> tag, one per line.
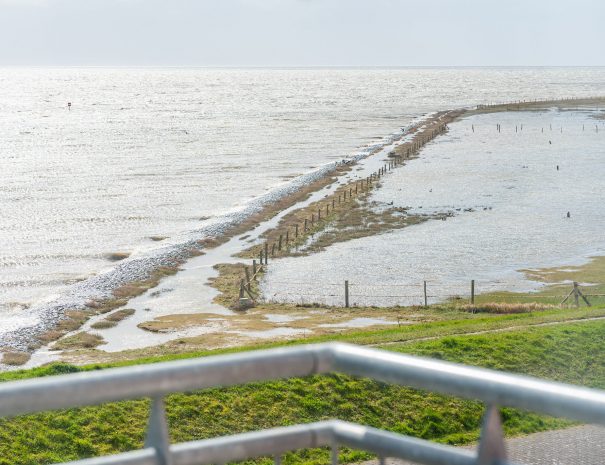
<point x="569" y="353"/>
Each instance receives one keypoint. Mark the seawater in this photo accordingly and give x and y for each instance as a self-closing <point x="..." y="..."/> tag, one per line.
<point x="502" y="199"/>
<point x="152" y="153"/>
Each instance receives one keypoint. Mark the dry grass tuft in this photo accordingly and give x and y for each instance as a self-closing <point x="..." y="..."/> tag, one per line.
<point x="103" y="324"/>
<point x="81" y="340"/>
<point x="15" y="358"/>
<point x="507" y="308"/>
<point x="117" y="256"/>
<point x="120" y="315"/>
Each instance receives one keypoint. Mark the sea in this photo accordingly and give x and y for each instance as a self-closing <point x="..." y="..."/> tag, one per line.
<point x="101" y="163"/>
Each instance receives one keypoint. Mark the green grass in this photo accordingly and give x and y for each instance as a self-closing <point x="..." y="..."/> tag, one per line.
<point x="571" y="353"/>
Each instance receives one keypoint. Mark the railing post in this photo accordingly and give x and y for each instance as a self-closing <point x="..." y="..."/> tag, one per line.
<point x="266" y="253"/>
<point x="157" y="432"/>
<point x="347" y="294"/>
<point x="491" y="444"/>
<point x="472" y="292"/>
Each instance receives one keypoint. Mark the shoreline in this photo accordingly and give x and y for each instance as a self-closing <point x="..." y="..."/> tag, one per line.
<point x="134" y="275"/>
<point x="142" y="269"/>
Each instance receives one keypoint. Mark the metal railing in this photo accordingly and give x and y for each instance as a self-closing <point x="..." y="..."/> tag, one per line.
<point x="158" y="380"/>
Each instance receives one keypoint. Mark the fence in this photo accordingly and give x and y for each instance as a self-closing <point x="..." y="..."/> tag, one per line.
<point x="425" y="293"/>
<point x="158" y="380"/>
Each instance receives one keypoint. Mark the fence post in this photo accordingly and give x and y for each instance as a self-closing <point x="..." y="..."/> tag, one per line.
<point x="254" y="267"/>
<point x="279" y="243"/>
<point x="261" y="257"/>
<point x="425" y="298"/>
<point x="576" y="294"/>
<point x="241" y="289"/>
<point x="347" y="294"/>
<point x="248" y="279"/>
<point x="472" y="292"/>
<point x="296" y="230"/>
<point x="266" y="253"/>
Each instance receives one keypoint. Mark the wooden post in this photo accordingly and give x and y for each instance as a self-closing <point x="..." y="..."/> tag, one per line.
<point x="254" y="267"/>
<point x="241" y="289"/>
<point x="296" y="230"/>
<point x="350" y="192"/>
<point x="261" y="257"/>
<point x="425" y="297"/>
<point x="333" y="204"/>
<point x="305" y="227"/>
<point x="249" y="286"/>
<point x="273" y="249"/>
<point x="327" y="209"/>
<point x="347" y="294"/>
<point x="287" y="237"/>
<point x="319" y="214"/>
<point x="576" y="294"/>
<point x="472" y="292"/>
<point x="312" y="219"/>
<point x="279" y="243"/>
<point x="266" y="253"/>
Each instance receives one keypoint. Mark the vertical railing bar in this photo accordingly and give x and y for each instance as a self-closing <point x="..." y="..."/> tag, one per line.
<point x="157" y="436"/>
<point x="491" y="445"/>
<point x="334" y="454"/>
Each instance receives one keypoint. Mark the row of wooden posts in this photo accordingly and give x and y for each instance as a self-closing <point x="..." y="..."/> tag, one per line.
<point x="360" y="186"/>
<point x="536" y="101"/>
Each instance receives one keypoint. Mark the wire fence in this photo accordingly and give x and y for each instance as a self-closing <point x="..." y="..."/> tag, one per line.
<point x="350" y="294"/>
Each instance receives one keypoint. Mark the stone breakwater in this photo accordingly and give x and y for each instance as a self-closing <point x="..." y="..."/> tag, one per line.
<point x="139" y="268"/>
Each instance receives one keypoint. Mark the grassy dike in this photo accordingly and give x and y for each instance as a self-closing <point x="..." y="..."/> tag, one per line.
<point x="568" y="352"/>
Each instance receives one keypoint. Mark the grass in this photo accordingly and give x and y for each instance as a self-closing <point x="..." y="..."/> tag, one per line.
<point x="569" y="353"/>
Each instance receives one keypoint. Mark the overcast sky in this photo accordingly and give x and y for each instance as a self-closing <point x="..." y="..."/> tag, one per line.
<point x="302" y="32"/>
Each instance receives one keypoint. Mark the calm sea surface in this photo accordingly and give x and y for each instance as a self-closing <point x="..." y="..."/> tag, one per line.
<point x="156" y="152"/>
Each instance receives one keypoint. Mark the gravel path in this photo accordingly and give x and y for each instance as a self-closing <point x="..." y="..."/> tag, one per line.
<point x="580" y="445"/>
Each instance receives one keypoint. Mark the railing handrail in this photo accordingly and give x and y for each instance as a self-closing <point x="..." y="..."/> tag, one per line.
<point x="158" y="379"/>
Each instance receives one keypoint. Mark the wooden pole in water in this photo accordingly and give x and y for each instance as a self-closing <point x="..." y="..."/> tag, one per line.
<point x="472" y="292"/>
<point x="347" y="294"/>
<point x="425" y="297"/>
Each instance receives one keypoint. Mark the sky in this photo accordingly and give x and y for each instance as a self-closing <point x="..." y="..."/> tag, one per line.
<point x="290" y="33"/>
